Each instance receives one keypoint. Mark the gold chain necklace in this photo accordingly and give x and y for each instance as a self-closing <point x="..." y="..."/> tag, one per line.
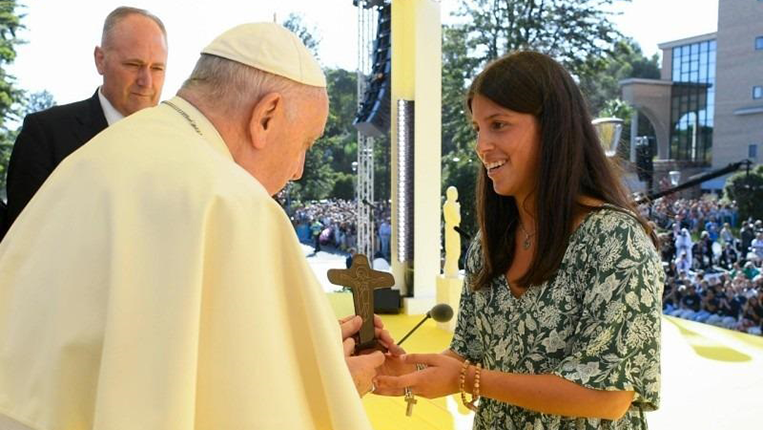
<point x="186" y="116"/>
<point x="526" y="244"/>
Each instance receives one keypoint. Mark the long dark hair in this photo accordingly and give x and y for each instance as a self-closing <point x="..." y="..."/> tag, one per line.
<point x="571" y="164"/>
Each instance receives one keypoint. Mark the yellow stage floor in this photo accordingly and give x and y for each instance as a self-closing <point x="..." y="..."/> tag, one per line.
<point x="712" y="378"/>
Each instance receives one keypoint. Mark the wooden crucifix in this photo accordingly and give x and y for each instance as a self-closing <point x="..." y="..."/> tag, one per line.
<point x="362" y="280"/>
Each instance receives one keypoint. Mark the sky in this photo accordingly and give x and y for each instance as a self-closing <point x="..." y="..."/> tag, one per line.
<point x="61" y="35"/>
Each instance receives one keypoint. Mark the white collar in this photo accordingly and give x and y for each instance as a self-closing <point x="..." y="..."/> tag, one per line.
<point x="112" y="115"/>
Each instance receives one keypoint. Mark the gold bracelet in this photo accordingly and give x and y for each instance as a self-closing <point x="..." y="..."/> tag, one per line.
<point x="472" y="404"/>
<point x="476" y="389"/>
<point x="462" y="382"/>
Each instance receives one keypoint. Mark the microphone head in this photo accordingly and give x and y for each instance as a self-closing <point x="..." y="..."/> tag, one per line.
<point x="441" y="313"/>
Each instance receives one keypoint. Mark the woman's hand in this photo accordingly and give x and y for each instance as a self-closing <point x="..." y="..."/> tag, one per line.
<point x="393" y="366"/>
<point x="364" y="367"/>
<point x="439" y="379"/>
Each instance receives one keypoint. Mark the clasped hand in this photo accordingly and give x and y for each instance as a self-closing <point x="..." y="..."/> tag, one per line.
<point x="364" y="366"/>
<point x="439" y="378"/>
<point x="388" y="374"/>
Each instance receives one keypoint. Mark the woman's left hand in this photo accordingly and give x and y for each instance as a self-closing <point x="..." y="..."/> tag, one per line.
<point x="439" y="379"/>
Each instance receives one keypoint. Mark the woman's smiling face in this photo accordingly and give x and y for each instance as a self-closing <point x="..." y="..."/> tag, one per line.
<point x="508" y="145"/>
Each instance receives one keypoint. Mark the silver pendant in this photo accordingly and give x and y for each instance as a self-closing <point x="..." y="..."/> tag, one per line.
<point x="526" y="243"/>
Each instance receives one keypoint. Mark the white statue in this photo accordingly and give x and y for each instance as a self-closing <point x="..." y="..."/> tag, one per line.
<point x="452" y="212"/>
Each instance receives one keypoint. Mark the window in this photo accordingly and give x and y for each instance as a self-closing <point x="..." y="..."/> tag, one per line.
<point x="692" y="105"/>
<point x="752" y="152"/>
<point x="759" y="43"/>
<point x="757" y="92"/>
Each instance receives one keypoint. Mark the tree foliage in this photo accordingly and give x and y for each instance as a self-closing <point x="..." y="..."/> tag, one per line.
<point x="569" y="30"/>
<point x="328" y="169"/>
<point x="600" y="78"/>
<point x="577" y="33"/>
<point x="38" y="101"/>
<point x="10" y="95"/>
<point x="458" y="69"/>
<point x="25" y="104"/>
<point x="747" y="190"/>
<point x="458" y="157"/>
<point x="309" y="35"/>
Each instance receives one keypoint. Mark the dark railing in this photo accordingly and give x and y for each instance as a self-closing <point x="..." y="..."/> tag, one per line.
<point x="733" y="167"/>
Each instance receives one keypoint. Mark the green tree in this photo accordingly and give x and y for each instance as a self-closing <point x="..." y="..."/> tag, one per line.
<point x="330" y="159"/>
<point x="569" y="30"/>
<point x="572" y="31"/>
<point x="458" y="157"/>
<point x="600" y="84"/>
<point x="27" y="104"/>
<point x="747" y="190"/>
<point x="600" y="78"/>
<point x="344" y="187"/>
<point x="38" y="101"/>
<point x="296" y="24"/>
<point x="328" y="166"/>
<point x="319" y="175"/>
<point x="458" y="69"/>
<point x="10" y="95"/>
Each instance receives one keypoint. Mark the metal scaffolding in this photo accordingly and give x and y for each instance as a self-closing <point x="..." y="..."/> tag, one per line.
<point x="365" y="179"/>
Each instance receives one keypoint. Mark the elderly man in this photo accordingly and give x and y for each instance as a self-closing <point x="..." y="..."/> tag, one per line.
<point x="169" y="290"/>
<point x="131" y="59"/>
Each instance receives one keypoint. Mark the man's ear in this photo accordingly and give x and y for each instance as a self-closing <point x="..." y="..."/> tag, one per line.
<point x="266" y="114"/>
<point x="99" y="57"/>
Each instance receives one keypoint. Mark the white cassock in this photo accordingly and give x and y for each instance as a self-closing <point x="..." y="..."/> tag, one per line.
<point x="154" y="284"/>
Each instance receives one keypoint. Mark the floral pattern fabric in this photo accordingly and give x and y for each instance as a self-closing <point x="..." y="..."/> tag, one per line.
<point x="595" y="323"/>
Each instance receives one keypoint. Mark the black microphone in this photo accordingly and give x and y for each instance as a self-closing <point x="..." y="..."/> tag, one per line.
<point x="369" y="204"/>
<point x="440" y="313"/>
<point x="463" y="233"/>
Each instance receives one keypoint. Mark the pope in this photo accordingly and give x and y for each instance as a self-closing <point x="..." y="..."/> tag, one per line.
<point x="154" y="283"/>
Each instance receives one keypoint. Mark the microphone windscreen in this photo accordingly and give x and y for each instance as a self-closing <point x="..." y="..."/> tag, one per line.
<point x="441" y="312"/>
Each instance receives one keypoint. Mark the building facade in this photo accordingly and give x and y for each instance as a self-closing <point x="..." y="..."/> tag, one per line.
<point x="739" y="96"/>
<point x="707" y="106"/>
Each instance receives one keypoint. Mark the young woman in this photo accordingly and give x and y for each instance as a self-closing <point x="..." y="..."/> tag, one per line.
<point x="560" y="312"/>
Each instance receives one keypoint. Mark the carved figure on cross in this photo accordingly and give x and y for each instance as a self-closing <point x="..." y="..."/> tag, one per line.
<point x="362" y="280"/>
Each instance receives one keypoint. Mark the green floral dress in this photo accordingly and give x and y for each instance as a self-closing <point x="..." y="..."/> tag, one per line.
<point x="595" y="323"/>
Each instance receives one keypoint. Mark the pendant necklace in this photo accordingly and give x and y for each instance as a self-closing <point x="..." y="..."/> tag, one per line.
<point x="526" y="243"/>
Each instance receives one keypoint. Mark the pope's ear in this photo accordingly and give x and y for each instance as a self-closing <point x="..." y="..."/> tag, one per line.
<point x="266" y="115"/>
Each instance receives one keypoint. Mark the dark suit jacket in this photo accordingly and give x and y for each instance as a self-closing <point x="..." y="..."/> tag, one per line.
<point x="45" y="139"/>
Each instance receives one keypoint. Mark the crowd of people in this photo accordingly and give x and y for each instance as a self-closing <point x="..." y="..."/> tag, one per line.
<point x="712" y="262"/>
<point x="333" y="223"/>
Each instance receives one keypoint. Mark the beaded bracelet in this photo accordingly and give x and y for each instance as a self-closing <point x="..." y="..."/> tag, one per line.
<point x="476" y="390"/>
<point x="462" y="381"/>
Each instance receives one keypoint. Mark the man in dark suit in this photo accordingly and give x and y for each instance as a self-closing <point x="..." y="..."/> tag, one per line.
<point x="132" y="59"/>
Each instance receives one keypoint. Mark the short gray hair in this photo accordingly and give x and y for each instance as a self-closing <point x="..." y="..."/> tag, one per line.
<point x="232" y="87"/>
<point x="123" y="12"/>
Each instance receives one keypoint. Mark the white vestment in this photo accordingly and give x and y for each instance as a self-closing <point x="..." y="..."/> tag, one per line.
<point x="154" y="284"/>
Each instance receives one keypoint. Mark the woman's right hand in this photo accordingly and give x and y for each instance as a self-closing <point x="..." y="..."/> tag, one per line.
<point x="439" y="378"/>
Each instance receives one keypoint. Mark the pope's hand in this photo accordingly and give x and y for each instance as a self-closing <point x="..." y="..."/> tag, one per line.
<point x="363" y="370"/>
<point x="351" y="325"/>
